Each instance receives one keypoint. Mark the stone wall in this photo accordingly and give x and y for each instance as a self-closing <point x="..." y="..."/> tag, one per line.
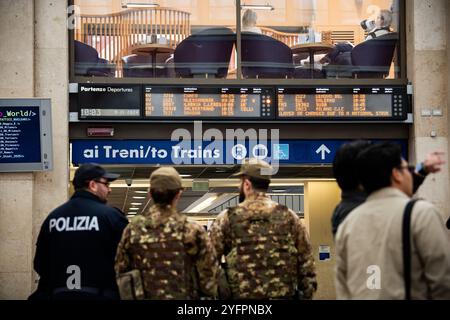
<point x="33" y="63"/>
<point x="428" y="69"/>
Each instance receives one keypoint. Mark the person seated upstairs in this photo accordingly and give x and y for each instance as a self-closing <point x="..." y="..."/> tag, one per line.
<point x="340" y="55"/>
<point x="249" y="22"/>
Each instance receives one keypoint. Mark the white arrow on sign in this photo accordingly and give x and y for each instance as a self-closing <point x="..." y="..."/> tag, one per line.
<point x="323" y="149"/>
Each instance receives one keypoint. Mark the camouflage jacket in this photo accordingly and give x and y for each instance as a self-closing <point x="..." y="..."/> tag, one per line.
<point x="175" y="257"/>
<point x="267" y="251"/>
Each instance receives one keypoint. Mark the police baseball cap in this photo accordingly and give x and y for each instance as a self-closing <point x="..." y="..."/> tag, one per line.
<point x="255" y="168"/>
<point x="91" y="171"/>
<point x="165" y="178"/>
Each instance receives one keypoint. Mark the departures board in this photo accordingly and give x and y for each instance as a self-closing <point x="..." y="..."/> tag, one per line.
<point x="232" y="103"/>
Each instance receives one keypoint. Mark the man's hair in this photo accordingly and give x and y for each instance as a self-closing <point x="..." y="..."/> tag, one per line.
<point x="344" y="164"/>
<point x="83" y="185"/>
<point x="163" y="197"/>
<point x="249" y="18"/>
<point x="258" y="184"/>
<point x="387" y="17"/>
<point x="375" y="165"/>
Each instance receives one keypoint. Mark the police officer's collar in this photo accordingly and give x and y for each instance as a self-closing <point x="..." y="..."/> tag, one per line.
<point x="87" y="195"/>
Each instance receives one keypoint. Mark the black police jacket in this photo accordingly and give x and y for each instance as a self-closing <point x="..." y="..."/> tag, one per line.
<point x="77" y="244"/>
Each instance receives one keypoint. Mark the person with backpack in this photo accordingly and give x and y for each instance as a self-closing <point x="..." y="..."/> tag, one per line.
<point x="173" y="257"/>
<point x="267" y="250"/>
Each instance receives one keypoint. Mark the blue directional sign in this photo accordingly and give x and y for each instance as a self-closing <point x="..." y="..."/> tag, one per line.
<point x="206" y="152"/>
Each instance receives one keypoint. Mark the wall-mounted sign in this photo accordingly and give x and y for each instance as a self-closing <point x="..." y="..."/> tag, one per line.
<point x="206" y="153"/>
<point x="231" y="103"/>
<point x="324" y="253"/>
<point x="109" y="101"/>
<point x="25" y="135"/>
<point x="360" y="103"/>
<point x="208" y="103"/>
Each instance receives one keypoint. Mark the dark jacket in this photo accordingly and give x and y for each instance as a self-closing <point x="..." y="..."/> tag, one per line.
<point x="79" y="237"/>
<point x="352" y="199"/>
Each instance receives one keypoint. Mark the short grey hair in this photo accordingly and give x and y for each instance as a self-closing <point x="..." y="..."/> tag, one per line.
<point x="387" y="17"/>
<point x="249" y="18"/>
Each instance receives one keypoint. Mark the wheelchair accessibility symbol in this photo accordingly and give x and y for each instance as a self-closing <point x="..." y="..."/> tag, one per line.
<point x="281" y="152"/>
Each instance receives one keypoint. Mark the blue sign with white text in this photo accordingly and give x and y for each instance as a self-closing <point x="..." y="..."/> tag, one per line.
<point x="206" y="152"/>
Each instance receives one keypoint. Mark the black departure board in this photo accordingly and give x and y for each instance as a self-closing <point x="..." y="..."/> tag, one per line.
<point x="207" y="103"/>
<point x="25" y="135"/>
<point x="109" y="101"/>
<point x="20" y="135"/>
<point x="128" y="102"/>
<point x="342" y="103"/>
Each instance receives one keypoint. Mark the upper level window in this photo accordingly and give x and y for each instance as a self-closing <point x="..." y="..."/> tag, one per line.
<point x="280" y="39"/>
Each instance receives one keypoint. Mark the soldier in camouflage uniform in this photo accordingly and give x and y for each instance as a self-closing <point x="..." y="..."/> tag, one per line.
<point x="266" y="246"/>
<point x="175" y="257"/>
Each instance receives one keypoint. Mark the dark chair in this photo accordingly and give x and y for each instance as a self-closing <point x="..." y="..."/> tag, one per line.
<point x="137" y="66"/>
<point x="373" y="58"/>
<point x="88" y="63"/>
<point x="206" y="53"/>
<point x="140" y="65"/>
<point x="265" y="57"/>
<point x="369" y="59"/>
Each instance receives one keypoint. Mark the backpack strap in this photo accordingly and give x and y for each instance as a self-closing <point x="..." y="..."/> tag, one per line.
<point x="406" y="237"/>
<point x="190" y="270"/>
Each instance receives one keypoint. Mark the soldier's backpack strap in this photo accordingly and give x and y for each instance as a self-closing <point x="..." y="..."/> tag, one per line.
<point x="230" y="213"/>
<point x="191" y="275"/>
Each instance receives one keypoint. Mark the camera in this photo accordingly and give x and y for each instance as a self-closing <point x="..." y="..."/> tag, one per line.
<point x="367" y="25"/>
<point x="129" y="182"/>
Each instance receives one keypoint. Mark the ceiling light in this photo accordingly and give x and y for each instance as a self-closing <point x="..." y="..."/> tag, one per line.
<point x="139" y="5"/>
<point x="279" y="190"/>
<point x="205" y="204"/>
<point x="138" y="197"/>
<point x="140" y="192"/>
<point x="134" y="209"/>
<point x="185" y="175"/>
<point x="136" y="203"/>
<point x="257" y="6"/>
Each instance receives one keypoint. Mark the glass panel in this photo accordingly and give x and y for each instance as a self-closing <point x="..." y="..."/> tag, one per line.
<point x="306" y="39"/>
<point x="155" y="38"/>
<point x="289" y="39"/>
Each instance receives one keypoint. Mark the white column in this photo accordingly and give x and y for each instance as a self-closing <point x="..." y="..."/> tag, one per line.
<point x="428" y="69"/>
<point x="16" y="189"/>
<point x="33" y="63"/>
<point x="51" y="62"/>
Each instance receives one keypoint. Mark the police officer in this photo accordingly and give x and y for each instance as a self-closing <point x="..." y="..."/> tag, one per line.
<point x="266" y="247"/>
<point x="77" y="242"/>
<point x="174" y="256"/>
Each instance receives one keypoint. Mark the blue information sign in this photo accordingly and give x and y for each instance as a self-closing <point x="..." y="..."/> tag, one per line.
<point x="20" y="140"/>
<point x="25" y="135"/>
<point x="206" y="152"/>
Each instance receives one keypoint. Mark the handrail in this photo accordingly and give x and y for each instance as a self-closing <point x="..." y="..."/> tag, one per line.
<point x="289" y="38"/>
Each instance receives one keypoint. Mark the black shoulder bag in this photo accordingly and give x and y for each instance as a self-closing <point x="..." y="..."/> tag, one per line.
<point x="406" y="236"/>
